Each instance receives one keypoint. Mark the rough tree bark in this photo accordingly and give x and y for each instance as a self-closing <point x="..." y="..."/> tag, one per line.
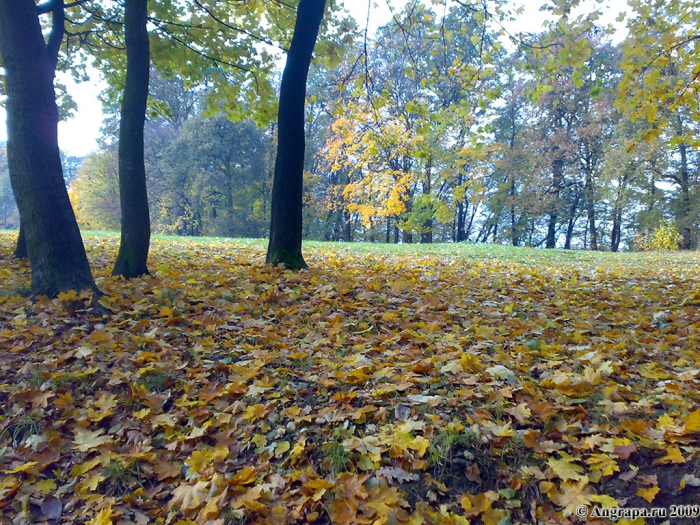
<point x="557" y="184"/>
<point x="55" y="248"/>
<point x="589" y="192"/>
<point x="426" y="236"/>
<point x="133" y="196"/>
<point x="684" y="219"/>
<point x="21" y="248"/>
<point x="288" y="182"/>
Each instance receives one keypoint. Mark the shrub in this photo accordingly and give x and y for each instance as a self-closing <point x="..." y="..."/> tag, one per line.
<point x="664" y="237"/>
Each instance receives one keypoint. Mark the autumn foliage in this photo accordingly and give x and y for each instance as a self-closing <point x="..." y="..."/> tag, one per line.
<point x="444" y="387"/>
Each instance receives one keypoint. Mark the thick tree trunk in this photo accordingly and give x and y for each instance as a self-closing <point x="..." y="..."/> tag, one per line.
<point x="136" y="225"/>
<point x="21" y="248"/>
<point x="55" y="248"/>
<point x="288" y="184"/>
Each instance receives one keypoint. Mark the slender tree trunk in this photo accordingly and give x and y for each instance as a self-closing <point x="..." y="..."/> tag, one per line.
<point x="569" y="232"/>
<point x="468" y="232"/>
<point x="347" y="227"/>
<point x="514" y="234"/>
<point x="286" y="224"/>
<point x="571" y="223"/>
<point x="426" y="236"/>
<point x="557" y="176"/>
<point x="589" y="191"/>
<point x="552" y="231"/>
<point x="55" y="248"/>
<point x="21" y="248"/>
<point x="133" y="196"/>
<point x="684" y="219"/>
<point x="616" y="230"/>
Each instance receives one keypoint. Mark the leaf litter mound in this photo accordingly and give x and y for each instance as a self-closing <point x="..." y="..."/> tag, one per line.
<point x="372" y="389"/>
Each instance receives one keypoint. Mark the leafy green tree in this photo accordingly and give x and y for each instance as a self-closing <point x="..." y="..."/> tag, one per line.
<point x="661" y="66"/>
<point x="409" y="133"/>
<point x="94" y="191"/>
<point x="216" y="180"/>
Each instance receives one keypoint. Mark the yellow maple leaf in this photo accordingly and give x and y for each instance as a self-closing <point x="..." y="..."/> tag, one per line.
<point x="106" y="403"/>
<point x="475" y="505"/>
<point x="298" y="448"/>
<point x="649" y="493"/>
<point x="211" y="510"/>
<point x="390" y="316"/>
<point x="665" y="420"/>
<point x="166" y="311"/>
<point x="104" y="517"/>
<point x="492" y="516"/>
<point x="603" y="463"/>
<point x="521" y="412"/>
<point x="499" y="430"/>
<point x="607" y="502"/>
<point x="281" y="448"/>
<point x="86" y="440"/>
<point x="90" y="483"/>
<point x="570" y="496"/>
<point x="673" y="455"/>
<point x="142" y="413"/>
<point x="45" y="486"/>
<point x="245" y="476"/>
<point x="419" y="444"/>
<point x="565" y="469"/>
<point x="692" y="422"/>
<point x="254" y="412"/>
<point x="249" y="500"/>
<point x="203" y="460"/>
<point x="318" y="486"/>
<point x="369" y="445"/>
<point x="189" y="497"/>
<point x="68" y="296"/>
<point x="21" y="468"/>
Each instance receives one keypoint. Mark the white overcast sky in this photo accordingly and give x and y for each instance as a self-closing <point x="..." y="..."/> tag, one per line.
<point x="78" y="136"/>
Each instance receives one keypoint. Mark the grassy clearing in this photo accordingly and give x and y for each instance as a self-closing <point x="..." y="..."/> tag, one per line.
<point x="502" y="253"/>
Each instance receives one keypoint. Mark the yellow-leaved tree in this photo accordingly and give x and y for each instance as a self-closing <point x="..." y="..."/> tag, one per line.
<point x="94" y="193"/>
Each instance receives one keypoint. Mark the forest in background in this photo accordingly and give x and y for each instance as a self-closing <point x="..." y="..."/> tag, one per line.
<point x="435" y="132"/>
